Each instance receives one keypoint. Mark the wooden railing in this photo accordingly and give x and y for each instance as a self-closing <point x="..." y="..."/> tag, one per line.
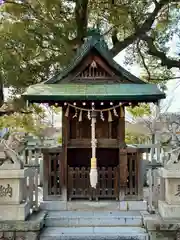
<point x="79" y="184"/>
<point x="107" y="183"/>
<point x="108" y="186"/>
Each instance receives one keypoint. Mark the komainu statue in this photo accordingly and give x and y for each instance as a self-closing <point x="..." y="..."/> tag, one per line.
<point x="9" y="151"/>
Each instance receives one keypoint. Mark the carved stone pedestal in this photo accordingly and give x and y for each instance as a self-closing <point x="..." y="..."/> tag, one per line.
<point x="170" y="207"/>
<point x="13" y="205"/>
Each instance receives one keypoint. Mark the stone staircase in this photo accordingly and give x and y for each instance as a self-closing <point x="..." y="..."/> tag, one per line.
<point x="100" y="225"/>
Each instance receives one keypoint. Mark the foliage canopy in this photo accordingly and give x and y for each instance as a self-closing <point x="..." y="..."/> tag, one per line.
<point x="38" y="37"/>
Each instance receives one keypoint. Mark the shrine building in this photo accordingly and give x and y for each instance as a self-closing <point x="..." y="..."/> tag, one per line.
<point x="94" y="162"/>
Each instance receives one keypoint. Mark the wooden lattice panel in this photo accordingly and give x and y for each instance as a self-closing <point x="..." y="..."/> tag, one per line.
<point x="54" y="175"/>
<point x="79" y="184"/>
<point x="132" y="179"/>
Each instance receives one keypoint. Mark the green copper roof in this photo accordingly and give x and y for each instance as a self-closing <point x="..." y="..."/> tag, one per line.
<point x="71" y="92"/>
<point x="55" y="89"/>
<point x="96" y="41"/>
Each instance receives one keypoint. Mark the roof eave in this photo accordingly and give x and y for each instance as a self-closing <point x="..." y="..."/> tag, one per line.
<point x="54" y="98"/>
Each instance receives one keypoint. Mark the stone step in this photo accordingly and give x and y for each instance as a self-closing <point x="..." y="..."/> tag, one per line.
<point x="84" y="218"/>
<point x="94" y="233"/>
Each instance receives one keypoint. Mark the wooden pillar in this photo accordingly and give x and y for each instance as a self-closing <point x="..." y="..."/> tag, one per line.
<point x="45" y="175"/>
<point x="140" y="175"/>
<point x="122" y="154"/>
<point x="65" y="136"/>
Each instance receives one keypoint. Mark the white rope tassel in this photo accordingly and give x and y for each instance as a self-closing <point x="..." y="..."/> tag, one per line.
<point x="109" y="116"/>
<point x="93" y="171"/>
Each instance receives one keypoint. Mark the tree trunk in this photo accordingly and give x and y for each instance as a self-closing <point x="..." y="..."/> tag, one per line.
<point x="1" y="91"/>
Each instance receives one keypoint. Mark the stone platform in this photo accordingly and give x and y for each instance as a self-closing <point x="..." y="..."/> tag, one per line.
<point x="94" y="206"/>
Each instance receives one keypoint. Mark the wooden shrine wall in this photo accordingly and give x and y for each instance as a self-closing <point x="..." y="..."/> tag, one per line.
<point x="82" y="130"/>
<point x="81" y="157"/>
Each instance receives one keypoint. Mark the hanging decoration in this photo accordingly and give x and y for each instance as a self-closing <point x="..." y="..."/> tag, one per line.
<point x="79" y="111"/>
<point x="80" y="116"/>
<point x="67" y="111"/>
<point x="76" y="113"/>
<point x="102" y="116"/>
<point x="121" y="112"/>
<point x="109" y="116"/>
<point x="27" y="103"/>
<point x="92" y="114"/>
<point x="93" y="171"/>
<point x="115" y="112"/>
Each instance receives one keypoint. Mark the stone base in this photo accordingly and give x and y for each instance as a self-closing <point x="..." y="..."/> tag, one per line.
<point x="19" y="230"/>
<point x="158" y="228"/>
<point x="169" y="211"/>
<point x="93" y="205"/>
<point x="14" y="212"/>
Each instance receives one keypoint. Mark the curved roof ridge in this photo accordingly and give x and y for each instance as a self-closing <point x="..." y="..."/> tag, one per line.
<point x="94" y="40"/>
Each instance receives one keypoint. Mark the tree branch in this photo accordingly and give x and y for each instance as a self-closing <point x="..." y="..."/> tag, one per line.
<point x="1" y="90"/>
<point x="143" y="60"/>
<point x="140" y="30"/>
<point x="165" y="61"/>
